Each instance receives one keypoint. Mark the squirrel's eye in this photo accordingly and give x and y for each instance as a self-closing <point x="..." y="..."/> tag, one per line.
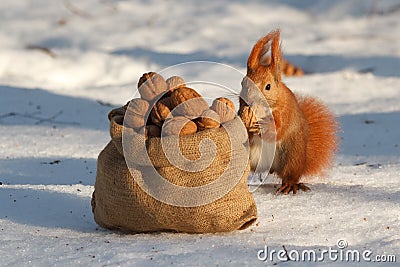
<point x="267" y="87"/>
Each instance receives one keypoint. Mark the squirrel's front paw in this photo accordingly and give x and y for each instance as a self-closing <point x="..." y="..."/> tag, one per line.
<point x="254" y="129"/>
<point x="286" y="188"/>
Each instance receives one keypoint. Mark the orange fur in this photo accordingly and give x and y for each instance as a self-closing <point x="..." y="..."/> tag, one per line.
<point x="287" y="68"/>
<point x="322" y="138"/>
<point x="305" y="128"/>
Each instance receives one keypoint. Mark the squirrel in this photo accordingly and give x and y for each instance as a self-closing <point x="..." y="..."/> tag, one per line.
<point x="306" y="130"/>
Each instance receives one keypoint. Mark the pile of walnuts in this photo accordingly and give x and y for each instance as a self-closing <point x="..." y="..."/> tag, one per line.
<point x="172" y="108"/>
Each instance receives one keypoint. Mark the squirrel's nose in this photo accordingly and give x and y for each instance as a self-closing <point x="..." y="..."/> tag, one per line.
<point x="250" y="92"/>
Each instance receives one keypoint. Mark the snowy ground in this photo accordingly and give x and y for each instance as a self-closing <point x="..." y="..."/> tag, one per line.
<point x="65" y="64"/>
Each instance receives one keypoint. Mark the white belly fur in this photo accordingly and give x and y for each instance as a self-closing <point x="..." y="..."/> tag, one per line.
<point x="261" y="154"/>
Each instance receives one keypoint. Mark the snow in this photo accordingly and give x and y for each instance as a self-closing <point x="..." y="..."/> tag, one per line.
<point x="53" y="123"/>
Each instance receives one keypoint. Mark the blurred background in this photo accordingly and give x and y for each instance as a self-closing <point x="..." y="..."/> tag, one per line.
<point x="99" y="48"/>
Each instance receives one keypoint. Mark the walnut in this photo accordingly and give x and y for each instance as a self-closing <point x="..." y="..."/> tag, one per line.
<point x="151" y="85"/>
<point x="175" y="82"/>
<point x="224" y="108"/>
<point x="178" y="126"/>
<point x="248" y="118"/>
<point x="167" y="102"/>
<point x="251" y="116"/>
<point x="136" y="112"/>
<point x="188" y="102"/>
<point x="209" y="119"/>
<point x="159" y="113"/>
<point x="182" y="94"/>
<point x="145" y="77"/>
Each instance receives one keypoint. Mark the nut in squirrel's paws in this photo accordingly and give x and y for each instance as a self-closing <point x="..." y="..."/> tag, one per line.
<point x="248" y="118"/>
<point x="256" y="118"/>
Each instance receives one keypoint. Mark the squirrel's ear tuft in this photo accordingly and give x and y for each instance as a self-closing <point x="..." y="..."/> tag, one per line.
<point x="276" y="56"/>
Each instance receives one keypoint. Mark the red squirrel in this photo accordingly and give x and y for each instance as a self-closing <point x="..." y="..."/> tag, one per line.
<point x="306" y="131"/>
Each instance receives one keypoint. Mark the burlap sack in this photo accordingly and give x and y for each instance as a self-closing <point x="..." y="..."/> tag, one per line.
<point x="119" y="202"/>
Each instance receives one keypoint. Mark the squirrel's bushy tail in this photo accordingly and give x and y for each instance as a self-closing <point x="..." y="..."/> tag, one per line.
<point x="322" y="140"/>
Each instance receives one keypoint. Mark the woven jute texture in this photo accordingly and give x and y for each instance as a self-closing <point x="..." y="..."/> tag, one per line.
<point x="120" y="203"/>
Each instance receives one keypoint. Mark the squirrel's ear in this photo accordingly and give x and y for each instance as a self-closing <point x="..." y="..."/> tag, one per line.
<point x="276" y="56"/>
<point x="253" y="60"/>
<point x="258" y="55"/>
<point x="259" y="49"/>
